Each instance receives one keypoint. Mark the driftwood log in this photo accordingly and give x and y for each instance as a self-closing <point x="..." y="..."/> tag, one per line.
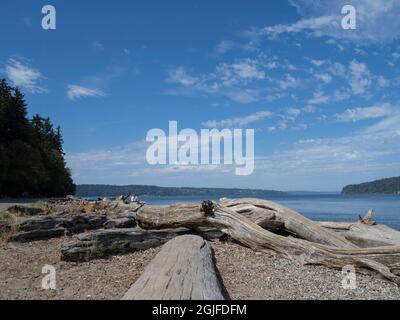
<point x="103" y="243"/>
<point x="264" y="213"/>
<point x="183" y="270"/>
<point x="365" y="233"/>
<point x="377" y="235"/>
<point x="58" y="225"/>
<point x="337" y="254"/>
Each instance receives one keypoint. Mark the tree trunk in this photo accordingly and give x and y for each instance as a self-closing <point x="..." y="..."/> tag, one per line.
<point x="183" y="270"/>
<point x="103" y="243"/>
<point x="383" y="260"/>
<point x="365" y="232"/>
<point x="266" y="212"/>
<point x="62" y="224"/>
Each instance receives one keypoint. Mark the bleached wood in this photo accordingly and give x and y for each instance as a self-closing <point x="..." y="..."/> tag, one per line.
<point x="183" y="270"/>
<point x="383" y="260"/>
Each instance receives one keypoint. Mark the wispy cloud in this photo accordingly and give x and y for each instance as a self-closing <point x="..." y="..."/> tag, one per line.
<point x="76" y="92"/>
<point x="360" y="77"/>
<point x="313" y="25"/>
<point x="238" y="121"/>
<point x="376" y="20"/>
<point x="318" y="98"/>
<point x="358" y="114"/>
<point x="23" y="76"/>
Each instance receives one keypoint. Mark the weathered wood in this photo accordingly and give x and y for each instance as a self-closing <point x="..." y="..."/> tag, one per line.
<point x="367" y="219"/>
<point x="56" y="226"/>
<point x="372" y="235"/>
<point x="383" y="260"/>
<point x="337" y="226"/>
<point x="103" y="243"/>
<point x="39" y="234"/>
<point x="183" y="270"/>
<point x="121" y="223"/>
<point x="293" y="222"/>
<point x="365" y="232"/>
<point x="23" y="210"/>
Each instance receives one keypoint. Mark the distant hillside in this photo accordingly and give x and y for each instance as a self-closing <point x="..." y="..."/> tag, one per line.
<point x="383" y="186"/>
<point x="94" y="190"/>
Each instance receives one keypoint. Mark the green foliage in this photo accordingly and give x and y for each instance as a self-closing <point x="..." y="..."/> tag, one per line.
<point x="5" y="215"/>
<point x="383" y="186"/>
<point x="31" y="155"/>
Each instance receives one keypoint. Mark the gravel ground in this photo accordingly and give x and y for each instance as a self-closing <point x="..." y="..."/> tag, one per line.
<point x="21" y="272"/>
<point x="246" y="275"/>
<point x="249" y="275"/>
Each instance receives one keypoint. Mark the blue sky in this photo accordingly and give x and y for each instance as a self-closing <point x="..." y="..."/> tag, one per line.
<point x="324" y="102"/>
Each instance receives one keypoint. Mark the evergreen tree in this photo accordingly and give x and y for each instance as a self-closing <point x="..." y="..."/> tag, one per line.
<point x="31" y="153"/>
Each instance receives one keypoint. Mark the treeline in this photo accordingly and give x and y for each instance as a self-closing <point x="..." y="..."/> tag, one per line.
<point x="31" y="153"/>
<point x="93" y="190"/>
<point x="383" y="186"/>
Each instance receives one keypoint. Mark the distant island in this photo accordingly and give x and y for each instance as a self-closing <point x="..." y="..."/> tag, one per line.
<point x="96" y="190"/>
<point x="382" y="186"/>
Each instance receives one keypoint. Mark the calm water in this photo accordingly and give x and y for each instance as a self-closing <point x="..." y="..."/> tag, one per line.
<point x="322" y="207"/>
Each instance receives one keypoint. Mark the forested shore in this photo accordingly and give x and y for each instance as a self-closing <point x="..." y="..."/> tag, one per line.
<point x="31" y="151"/>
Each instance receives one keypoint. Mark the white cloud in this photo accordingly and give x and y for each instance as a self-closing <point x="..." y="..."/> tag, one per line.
<point x="340" y="95"/>
<point x="180" y="76"/>
<point x="76" y="92"/>
<point x="21" y="75"/>
<point x="243" y="96"/>
<point x="377" y="20"/>
<point x="313" y="25"/>
<point x="318" y="98"/>
<point x="317" y="63"/>
<point x="238" y="121"/>
<point x="361" y="152"/>
<point x="293" y="112"/>
<point x="289" y="82"/>
<point x="358" y="114"/>
<point x="231" y="74"/>
<point x="360" y="77"/>
<point x="324" y="77"/>
<point x="224" y="46"/>
<point x="383" y="83"/>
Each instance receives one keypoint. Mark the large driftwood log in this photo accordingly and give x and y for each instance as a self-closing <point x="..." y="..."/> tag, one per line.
<point x="366" y="236"/>
<point x="58" y="225"/>
<point x="365" y="232"/>
<point x="264" y="212"/>
<point x="103" y="243"/>
<point x="183" y="270"/>
<point x="383" y="260"/>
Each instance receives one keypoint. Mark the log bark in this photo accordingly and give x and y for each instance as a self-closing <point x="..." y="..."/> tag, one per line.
<point x="183" y="270"/>
<point x="293" y="222"/>
<point x="365" y="232"/>
<point x="58" y="225"/>
<point x="382" y="260"/>
<point x="377" y="235"/>
<point x="103" y="243"/>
